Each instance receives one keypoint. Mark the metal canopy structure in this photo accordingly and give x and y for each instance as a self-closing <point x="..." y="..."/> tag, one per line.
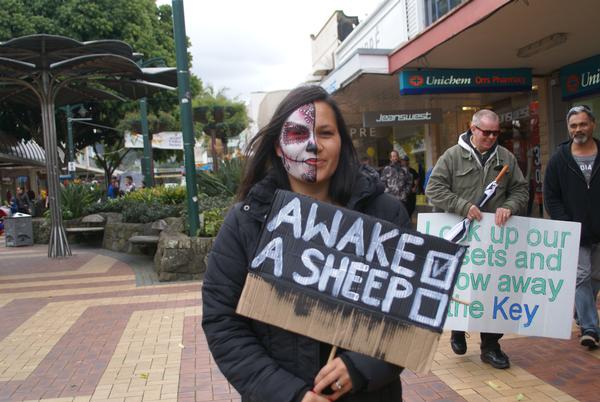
<point x="15" y="152"/>
<point x="45" y="71"/>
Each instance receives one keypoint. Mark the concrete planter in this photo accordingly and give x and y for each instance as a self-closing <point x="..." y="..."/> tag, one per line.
<point x="41" y="230"/>
<point x="116" y="235"/>
<point x="180" y="257"/>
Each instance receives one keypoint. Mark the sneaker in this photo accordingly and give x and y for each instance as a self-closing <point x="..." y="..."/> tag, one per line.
<point x="589" y="339"/>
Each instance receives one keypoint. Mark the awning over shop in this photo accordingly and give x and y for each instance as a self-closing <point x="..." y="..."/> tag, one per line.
<point x="15" y="152"/>
<point x="362" y="61"/>
<point x="540" y="34"/>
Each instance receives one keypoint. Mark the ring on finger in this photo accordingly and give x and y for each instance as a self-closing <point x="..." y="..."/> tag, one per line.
<point x="338" y="385"/>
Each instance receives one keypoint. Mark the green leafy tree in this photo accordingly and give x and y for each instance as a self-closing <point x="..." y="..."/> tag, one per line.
<point x="148" y="28"/>
<point x="215" y="114"/>
<point x="156" y="123"/>
<point x="109" y="155"/>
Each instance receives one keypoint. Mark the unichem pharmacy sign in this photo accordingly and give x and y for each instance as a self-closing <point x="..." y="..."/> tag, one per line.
<point x="414" y="82"/>
<point x="581" y="78"/>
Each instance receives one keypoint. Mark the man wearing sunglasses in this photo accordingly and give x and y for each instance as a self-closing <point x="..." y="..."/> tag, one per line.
<point x="572" y="193"/>
<point x="457" y="182"/>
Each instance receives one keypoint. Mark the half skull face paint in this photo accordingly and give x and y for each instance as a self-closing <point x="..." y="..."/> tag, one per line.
<point x="298" y="144"/>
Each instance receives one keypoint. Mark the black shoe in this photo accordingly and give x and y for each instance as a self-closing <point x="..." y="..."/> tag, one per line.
<point x="496" y="357"/>
<point x="589" y="339"/>
<point x="458" y="344"/>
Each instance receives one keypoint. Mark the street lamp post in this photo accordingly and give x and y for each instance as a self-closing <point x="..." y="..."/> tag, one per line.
<point x="147" y="166"/>
<point x="147" y="158"/>
<point x="185" y="106"/>
<point x="70" y="146"/>
<point x="71" y="159"/>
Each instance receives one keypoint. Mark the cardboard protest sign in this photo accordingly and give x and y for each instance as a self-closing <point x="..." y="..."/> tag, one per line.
<point x="519" y="278"/>
<point x="351" y="280"/>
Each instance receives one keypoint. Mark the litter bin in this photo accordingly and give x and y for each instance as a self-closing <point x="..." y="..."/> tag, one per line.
<point x="18" y="230"/>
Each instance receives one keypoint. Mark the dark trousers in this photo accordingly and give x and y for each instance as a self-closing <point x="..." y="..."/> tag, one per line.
<point x="411" y="203"/>
<point x="488" y="341"/>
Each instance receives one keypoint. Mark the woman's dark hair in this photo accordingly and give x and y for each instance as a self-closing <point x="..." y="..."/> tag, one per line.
<point x="263" y="159"/>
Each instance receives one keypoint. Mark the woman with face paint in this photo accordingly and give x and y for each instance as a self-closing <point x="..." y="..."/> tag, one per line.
<point x="305" y="148"/>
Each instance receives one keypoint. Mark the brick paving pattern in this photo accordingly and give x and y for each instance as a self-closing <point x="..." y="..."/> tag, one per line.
<point x="99" y="327"/>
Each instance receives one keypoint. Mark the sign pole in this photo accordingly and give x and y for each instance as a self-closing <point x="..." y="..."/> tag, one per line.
<point x="71" y="160"/>
<point x="147" y="159"/>
<point x="185" y="105"/>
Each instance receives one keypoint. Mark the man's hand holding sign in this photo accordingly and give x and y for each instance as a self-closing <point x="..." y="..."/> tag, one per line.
<point x="502" y="214"/>
<point x="511" y="265"/>
<point x="517" y="278"/>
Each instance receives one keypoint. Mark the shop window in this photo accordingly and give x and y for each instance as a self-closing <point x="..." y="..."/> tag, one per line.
<point x="436" y="9"/>
<point x="521" y="136"/>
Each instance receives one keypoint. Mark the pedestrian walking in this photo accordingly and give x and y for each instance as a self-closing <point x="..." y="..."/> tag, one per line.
<point x="22" y="202"/>
<point x="572" y="193"/>
<point x="129" y="184"/>
<point x="366" y="167"/>
<point x="113" y="190"/>
<point x="397" y="179"/>
<point x="458" y="180"/>
<point x="411" y="198"/>
<point x="305" y="148"/>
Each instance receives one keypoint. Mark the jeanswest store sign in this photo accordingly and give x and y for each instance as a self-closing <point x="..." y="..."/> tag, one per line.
<point x="414" y="82"/>
<point x="401" y="117"/>
<point x="580" y="79"/>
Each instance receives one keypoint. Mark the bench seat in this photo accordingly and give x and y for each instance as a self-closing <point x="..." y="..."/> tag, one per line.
<point x="144" y="240"/>
<point x="85" y="229"/>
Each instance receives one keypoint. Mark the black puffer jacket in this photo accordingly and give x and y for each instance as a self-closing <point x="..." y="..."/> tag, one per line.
<point x="265" y="363"/>
<point x="568" y="197"/>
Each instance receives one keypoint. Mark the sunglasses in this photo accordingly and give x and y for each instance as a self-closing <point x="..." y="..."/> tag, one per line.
<point x="487" y="133"/>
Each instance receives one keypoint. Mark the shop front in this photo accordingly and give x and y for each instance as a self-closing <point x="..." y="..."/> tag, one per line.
<point x="406" y="131"/>
<point x="21" y="165"/>
<point x="474" y="58"/>
<point x="557" y="50"/>
<point x="580" y="85"/>
<point x="426" y="123"/>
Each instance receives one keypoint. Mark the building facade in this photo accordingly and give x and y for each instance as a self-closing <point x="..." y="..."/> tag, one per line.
<point x="527" y="60"/>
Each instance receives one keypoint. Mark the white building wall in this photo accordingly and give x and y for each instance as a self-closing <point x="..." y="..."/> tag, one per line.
<point x="385" y="28"/>
<point x="324" y="45"/>
<point x="415" y="17"/>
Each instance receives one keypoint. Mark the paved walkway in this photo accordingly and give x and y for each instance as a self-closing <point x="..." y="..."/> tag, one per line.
<point x="97" y="326"/>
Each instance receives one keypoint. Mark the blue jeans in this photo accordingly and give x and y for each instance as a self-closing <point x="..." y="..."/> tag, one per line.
<point x="588" y="285"/>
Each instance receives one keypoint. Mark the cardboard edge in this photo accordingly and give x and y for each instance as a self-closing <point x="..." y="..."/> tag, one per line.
<point x="337" y="324"/>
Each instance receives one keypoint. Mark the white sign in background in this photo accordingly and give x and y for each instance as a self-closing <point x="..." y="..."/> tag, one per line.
<point x="519" y="278"/>
<point x="162" y="140"/>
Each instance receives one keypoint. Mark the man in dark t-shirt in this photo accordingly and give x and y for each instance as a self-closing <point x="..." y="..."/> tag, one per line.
<point x="572" y="193"/>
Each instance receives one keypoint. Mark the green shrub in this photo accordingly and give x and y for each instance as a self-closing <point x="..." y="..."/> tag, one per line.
<point x="224" y="182"/>
<point x="230" y="173"/>
<point x="110" y="205"/>
<point x="145" y="212"/>
<point x="209" y="184"/>
<point x="212" y="211"/>
<point x="219" y="201"/>
<point x="155" y="197"/>
<point x="76" y="198"/>
<point x="212" y="221"/>
<point x="161" y="194"/>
